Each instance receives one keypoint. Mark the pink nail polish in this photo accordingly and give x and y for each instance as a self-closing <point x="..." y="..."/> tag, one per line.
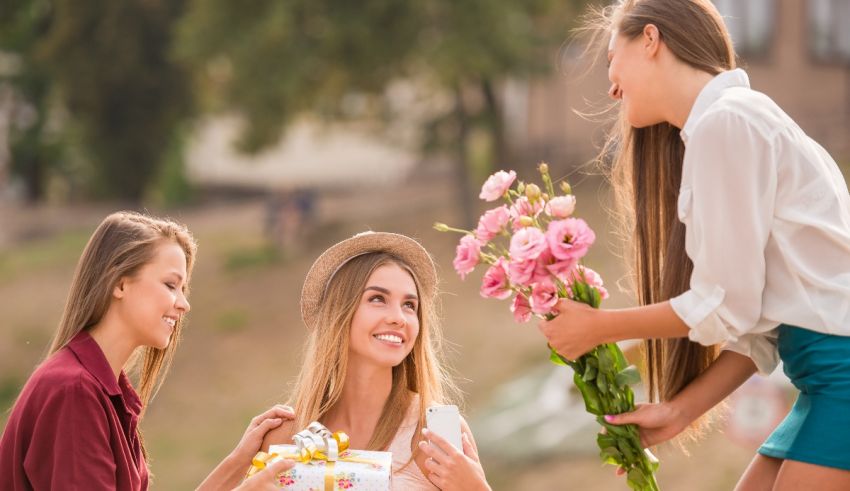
<point x="609" y="418"/>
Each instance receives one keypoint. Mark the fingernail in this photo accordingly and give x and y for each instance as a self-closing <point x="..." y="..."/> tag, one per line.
<point x="422" y="444"/>
<point x="277" y="420"/>
<point x="425" y="431"/>
<point x="609" y="418"/>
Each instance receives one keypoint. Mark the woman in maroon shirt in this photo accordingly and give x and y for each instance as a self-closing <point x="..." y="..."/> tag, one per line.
<point x="75" y="423"/>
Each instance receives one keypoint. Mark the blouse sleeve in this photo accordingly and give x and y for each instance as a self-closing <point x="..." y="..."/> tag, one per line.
<point x="761" y="348"/>
<point x="727" y="206"/>
<point x="70" y="446"/>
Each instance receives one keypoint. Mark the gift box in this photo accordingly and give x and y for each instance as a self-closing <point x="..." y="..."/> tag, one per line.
<point x="353" y="470"/>
<point x="325" y="463"/>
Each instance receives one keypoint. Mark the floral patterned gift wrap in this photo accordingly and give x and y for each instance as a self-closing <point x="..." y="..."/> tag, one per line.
<point x="355" y="470"/>
<point x="325" y="463"/>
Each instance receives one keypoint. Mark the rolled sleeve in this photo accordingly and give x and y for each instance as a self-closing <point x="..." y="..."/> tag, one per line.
<point x="697" y="312"/>
<point x="761" y="348"/>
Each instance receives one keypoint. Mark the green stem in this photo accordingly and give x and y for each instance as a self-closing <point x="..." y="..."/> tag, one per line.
<point x="458" y="230"/>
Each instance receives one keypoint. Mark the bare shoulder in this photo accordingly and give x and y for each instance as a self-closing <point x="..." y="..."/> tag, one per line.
<point x="280" y="435"/>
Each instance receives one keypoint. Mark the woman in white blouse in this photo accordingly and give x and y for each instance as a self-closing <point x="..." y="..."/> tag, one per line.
<point x="741" y="229"/>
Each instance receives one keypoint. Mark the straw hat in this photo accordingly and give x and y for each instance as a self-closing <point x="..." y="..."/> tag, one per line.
<point x="326" y="266"/>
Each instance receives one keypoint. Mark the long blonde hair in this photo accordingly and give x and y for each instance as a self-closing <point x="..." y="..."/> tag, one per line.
<point x="647" y="170"/>
<point x="123" y="243"/>
<point x="320" y="383"/>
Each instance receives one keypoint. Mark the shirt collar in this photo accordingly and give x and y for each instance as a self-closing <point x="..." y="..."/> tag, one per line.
<point x="710" y="93"/>
<point x="94" y="361"/>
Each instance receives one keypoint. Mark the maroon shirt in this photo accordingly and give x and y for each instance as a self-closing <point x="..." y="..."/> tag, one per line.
<point x="74" y="426"/>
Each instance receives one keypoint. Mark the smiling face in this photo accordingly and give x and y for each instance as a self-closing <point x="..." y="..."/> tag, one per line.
<point x="632" y="70"/>
<point x="151" y="302"/>
<point x="385" y="324"/>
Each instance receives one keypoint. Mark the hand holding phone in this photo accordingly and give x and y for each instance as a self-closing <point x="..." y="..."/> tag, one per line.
<point x="445" y="421"/>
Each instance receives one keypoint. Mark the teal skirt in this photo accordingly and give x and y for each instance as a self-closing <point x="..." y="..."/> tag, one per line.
<point x="817" y="430"/>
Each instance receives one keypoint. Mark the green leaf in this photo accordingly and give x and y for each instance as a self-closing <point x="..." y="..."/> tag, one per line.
<point x="605" y="440"/>
<point x="555" y="358"/>
<point x="592" y="404"/>
<point x="595" y="298"/>
<point x="628" y="376"/>
<point x="585" y="293"/>
<point x="602" y="384"/>
<point x="610" y="455"/>
<point x="614" y="430"/>
<point x="627" y="451"/>
<point x="606" y="364"/>
<point x="636" y="476"/>
<point x="589" y="373"/>
<point x="617" y="355"/>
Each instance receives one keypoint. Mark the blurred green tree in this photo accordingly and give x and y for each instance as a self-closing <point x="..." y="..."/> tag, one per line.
<point x="33" y="150"/>
<point x="271" y="61"/>
<point x="107" y="66"/>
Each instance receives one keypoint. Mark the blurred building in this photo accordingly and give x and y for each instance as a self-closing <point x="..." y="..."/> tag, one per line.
<point x="795" y="51"/>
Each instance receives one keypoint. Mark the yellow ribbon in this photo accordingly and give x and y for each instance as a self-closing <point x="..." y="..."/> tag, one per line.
<point x="314" y="443"/>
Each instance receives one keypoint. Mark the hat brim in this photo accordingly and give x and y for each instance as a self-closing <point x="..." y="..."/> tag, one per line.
<point x="406" y="249"/>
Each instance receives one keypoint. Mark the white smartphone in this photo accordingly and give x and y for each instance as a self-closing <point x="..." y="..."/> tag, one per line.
<point x="445" y="421"/>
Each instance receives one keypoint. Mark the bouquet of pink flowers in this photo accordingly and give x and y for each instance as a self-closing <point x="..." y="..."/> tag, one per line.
<point x="534" y="245"/>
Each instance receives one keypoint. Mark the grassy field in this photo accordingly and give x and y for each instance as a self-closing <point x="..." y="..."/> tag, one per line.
<point x="241" y="349"/>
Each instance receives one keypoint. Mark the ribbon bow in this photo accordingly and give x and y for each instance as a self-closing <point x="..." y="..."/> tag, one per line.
<point x="315" y="443"/>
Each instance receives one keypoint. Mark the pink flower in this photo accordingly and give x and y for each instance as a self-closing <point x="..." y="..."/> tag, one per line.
<point x="569" y="239"/>
<point x="526" y="244"/>
<point x="521" y="308"/>
<point x="497" y="185"/>
<point x="468" y="255"/>
<point x="524" y="208"/>
<point x="549" y="265"/>
<point x="522" y="272"/>
<point x="492" y="223"/>
<point x="561" y="206"/>
<point x="495" y="283"/>
<point x="591" y="278"/>
<point x="544" y="297"/>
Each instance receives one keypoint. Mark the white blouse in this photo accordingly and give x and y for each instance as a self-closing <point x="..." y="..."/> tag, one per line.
<point x="767" y="216"/>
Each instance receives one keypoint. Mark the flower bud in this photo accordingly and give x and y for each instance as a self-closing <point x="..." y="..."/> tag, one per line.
<point x="520" y="188"/>
<point x="441" y="227"/>
<point x="526" y="221"/>
<point x="565" y="187"/>
<point x="532" y="191"/>
<point x="543" y="167"/>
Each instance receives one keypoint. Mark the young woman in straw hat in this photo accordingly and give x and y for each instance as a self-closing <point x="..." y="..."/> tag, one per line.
<point x="75" y="423"/>
<point x="370" y="365"/>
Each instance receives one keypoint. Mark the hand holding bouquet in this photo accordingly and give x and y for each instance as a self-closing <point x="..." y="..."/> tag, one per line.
<point x="534" y="245"/>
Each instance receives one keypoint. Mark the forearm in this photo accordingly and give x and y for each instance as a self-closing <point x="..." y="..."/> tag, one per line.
<point x="656" y="321"/>
<point x="227" y="475"/>
<point x="720" y="379"/>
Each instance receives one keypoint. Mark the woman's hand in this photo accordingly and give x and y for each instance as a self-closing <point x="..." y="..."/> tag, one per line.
<point x="656" y="423"/>
<point x="448" y="468"/>
<point x="266" y="479"/>
<point x="252" y="439"/>
<point x="577" y="329"/>
<point x="232" y="469"/>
